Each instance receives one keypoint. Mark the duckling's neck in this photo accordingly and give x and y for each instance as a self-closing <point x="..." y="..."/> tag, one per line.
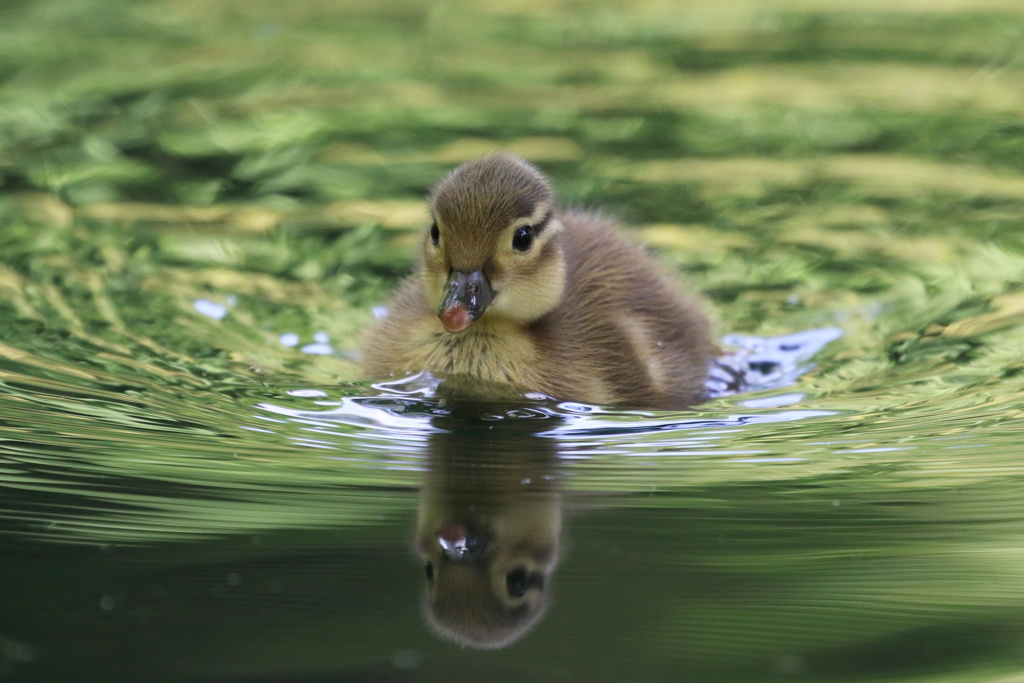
<point x="491" y="351"/>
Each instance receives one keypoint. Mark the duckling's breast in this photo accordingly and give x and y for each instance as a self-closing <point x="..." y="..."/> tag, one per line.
<point x="499" y="354"/>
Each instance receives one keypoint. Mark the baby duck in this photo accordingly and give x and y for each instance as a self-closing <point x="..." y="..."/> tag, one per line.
<point x="513" y="294"/>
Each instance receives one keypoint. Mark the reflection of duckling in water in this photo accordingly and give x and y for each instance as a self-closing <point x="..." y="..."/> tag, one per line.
<point x="513" y="294"/>
<point x="488" y="532"/>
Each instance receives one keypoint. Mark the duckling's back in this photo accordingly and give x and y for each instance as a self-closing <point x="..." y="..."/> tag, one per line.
<point x="624" y="333"/>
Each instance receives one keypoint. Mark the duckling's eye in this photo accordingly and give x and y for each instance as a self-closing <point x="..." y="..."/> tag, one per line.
<point x="516" y="582"/>
<point x="435" y="235"/>
<point x="428" y="569"/>
<point x="522" y="239"/>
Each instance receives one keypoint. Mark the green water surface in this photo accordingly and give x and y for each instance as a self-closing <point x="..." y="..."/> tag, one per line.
<point x="202" y="202"/>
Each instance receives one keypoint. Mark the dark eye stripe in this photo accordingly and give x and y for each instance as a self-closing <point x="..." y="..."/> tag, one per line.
<point x="543" y="222"/>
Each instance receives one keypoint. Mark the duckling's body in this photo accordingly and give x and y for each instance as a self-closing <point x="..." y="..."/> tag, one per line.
<point x="581" y="313"/>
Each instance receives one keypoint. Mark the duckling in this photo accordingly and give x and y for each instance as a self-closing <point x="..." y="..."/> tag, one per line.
<point x="513" y="294"/>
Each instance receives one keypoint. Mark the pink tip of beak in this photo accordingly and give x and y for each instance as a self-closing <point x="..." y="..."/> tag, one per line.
<point x="453" y="534"/>
<point x="455" y="318"/>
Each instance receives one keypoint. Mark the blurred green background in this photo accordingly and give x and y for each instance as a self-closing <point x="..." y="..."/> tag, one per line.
<point x="793" y="156"/>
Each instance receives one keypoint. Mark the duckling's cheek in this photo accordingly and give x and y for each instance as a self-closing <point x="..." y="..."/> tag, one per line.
<point x="434" y="284"/>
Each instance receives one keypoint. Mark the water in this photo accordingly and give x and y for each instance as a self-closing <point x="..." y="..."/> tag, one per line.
<point x="203" y="209"/>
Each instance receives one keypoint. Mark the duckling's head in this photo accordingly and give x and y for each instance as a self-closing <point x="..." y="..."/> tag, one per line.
<point x="493" y="244"/>
<point x="487" y="584"/>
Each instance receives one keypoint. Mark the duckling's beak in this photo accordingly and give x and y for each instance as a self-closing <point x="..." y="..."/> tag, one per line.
<point x="459" y="545"/>
<point x="465" y="299"/>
